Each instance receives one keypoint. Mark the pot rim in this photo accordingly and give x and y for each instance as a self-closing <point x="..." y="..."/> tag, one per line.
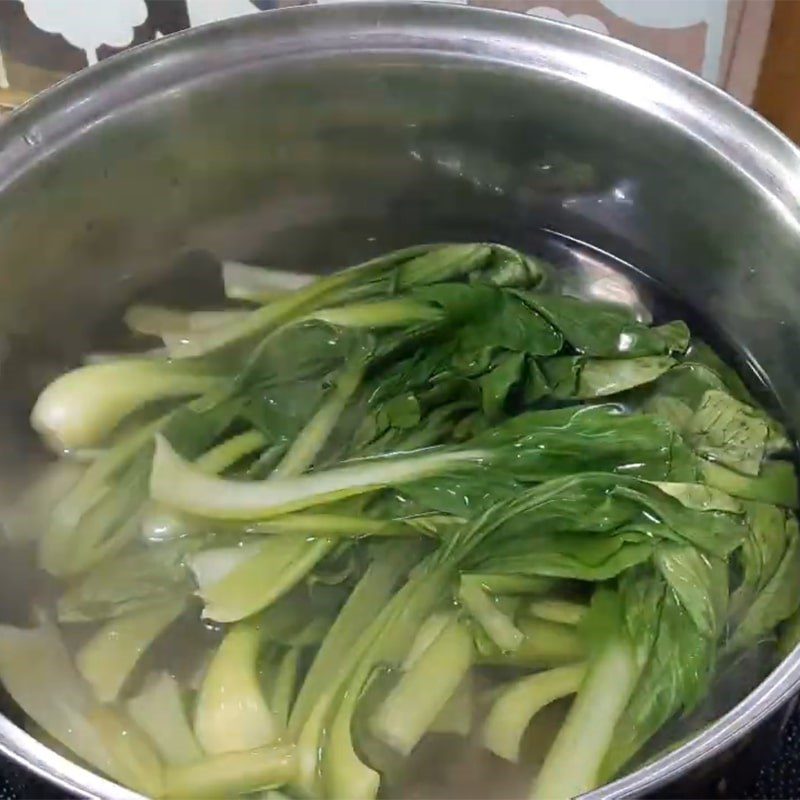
<point x="733" y="131"/>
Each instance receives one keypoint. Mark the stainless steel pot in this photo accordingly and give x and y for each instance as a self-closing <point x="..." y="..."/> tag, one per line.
<point x="317" y="136"/>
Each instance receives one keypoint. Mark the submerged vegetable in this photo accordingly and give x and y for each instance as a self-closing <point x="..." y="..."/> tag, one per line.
<point x="230" y="774"/>
<point x="232" y="713"/>
<point x="109" y="657"/>
<point x="424" y="688"/>
<point x="514" y="708"/>
<point x="81" y="408"/>
<point x="37" y="670"/>
<point x="387" y="487"/>
<point x="272" y="567"/>
<point x="160" y="712"/>
<point x="572" y="765"/>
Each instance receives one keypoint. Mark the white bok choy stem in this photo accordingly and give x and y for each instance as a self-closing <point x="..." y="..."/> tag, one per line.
<point x="160" y="524"/>
<point x="37" y="671"/>
<point x="232" y="713"/>
<point x="260" y="284"/>
<point x="80" y="408"/>
<point x="520" y="701"/>
<point x="387" y="639"/>
<point x="159" y="321"/>
<point x="28" y="515"/>
<point x="178" y="484"/>
<point x="457" y="713"/>
<point x="280" y="561"/>
<point x="340" y="651"/>
<point x="262" y="320"/>
<point x="396" y="313"/>
<point x="108" y="658"/>
<point x="368" y="279"/>
<point x="428" y="633"/>
<point x="565" y="612"/>
<point x="231" y="774"/>
<point x="315" y="433"/>
<point x="159" y="711"/>
<point x="573" y="762"/>
<point x="545" y="644"/>
<point x="268" y="570"/>
<point x="283" y="684"/>
<point x="423" y="690"/>
<point x="224" y="455"/>
<point x="481" y="606"/>
<point x="211" y="565"/>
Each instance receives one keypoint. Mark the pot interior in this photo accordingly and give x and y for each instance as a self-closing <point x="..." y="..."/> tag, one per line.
<point x="315" y="139"/>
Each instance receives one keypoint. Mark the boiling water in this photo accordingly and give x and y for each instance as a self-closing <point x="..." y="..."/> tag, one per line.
<point x="443" y="766"/>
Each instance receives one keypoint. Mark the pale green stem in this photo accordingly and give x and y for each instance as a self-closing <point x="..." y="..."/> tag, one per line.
<point x="159" y="711"/>
<point x="481" y="606"/>
<point x="312" y="438"/>
<point x="399" y="312"/>
<point x="231" y="712"/>
<point x="517" y="704"/>
<point x="573" y="762"/>
<point x="545" y="644"/>
<point x="232" y="774"/>
<point x="284" y="683"/>
<point x="456" y="715"/>
<point x="562" y="611"/>
<point x="108" y="658"/>
<point x="411" y="707"/>
<point x="227" y="453"/>
<point x="178" y="484"/>
<point x="276" y="567"/>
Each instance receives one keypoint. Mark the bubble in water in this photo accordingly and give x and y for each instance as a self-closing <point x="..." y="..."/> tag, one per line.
<point x="32" y="137"/>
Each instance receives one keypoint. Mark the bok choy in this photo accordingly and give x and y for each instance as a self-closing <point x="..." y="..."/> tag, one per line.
<point x="428" y="495"/>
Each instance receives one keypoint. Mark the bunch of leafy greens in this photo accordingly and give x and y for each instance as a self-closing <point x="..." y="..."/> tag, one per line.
<point x="379" y="483"/>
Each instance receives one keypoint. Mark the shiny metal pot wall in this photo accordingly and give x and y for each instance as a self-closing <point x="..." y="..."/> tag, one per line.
<point x="317" y="136"/>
